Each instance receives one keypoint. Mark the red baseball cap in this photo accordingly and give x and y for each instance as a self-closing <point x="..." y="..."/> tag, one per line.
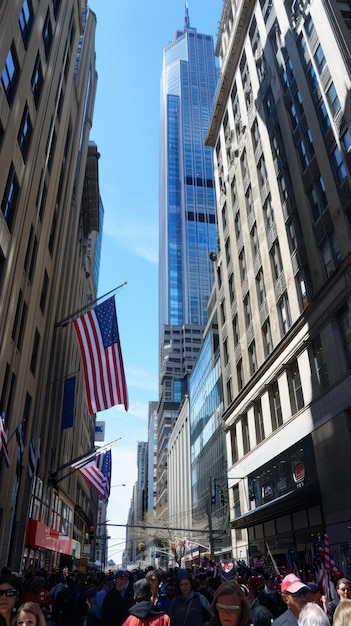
<point x="291" y="584"/>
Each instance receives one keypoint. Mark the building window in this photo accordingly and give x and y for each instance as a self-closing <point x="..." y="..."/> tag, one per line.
<point x="222" y="309"/>
<point x="225" y="351"/>
<point x="25" y="133"/>
<point x="246" y="435"/>
<point x="295" y="387"/>
<point x="260" y="287"/>
<point x="242" y="264"/>
<point x="276" y="260"/>
<point x="56" y="6"/>
<point x="10" y="75"/>
<point x="319" y="363"/>
<point x="47" y="35"/>
<point x="44" y="291"/>
<point x="255" y="244"/>
<point x="344" y="324"/>
<point x="331" y="254"/>
<point x="252" y="358"/>
<point x="259" y="426"/>
<point x="237" y="224"/>
<point x="231" y="288"/>
<point x="333" y="100"/>
<point x="236" y="500"/>
<point x="339" y="166"/>
<point x="10" y="197"/>
<point x="240" y="375"/>
<point x="26" y="21"/>
<point x="229" y="391"/>
<point x="317" y="198"/>
<point x="227" y="251"/>
<point x="247" y="310"/>
<point x="236" y="330"/>
<point x="275" y="406"/>
<point x="284" y="314"/>
<point x="37" y="80"/>
<point x="234" y="444"/>
<point x="268" y="214"/>
<point x="346" y="142"/>
<point x="320" y="59"/>
<point x="267" y="338"/>
<point x="324" y="116"/>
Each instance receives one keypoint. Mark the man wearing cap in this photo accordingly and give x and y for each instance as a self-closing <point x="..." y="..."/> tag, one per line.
<point x="118" y="600"/>
<point x="144" y="612"/>
<point x="294" y="593"/>
<point x="270" y="597"/>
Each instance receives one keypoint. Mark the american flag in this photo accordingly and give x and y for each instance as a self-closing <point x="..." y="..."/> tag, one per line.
<point x="98" y="337"/>
<point x="98" y="473"/>
<point x="3" y="440"/>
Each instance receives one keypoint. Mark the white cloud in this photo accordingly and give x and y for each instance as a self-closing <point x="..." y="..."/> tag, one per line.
<point x="138" y="236"/>
<point x="142" y="379"/>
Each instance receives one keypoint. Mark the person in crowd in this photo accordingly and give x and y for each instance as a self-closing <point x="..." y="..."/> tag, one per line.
<point x="189" y="607"/>
<point x="144" y="612"/>
<point x="118" y="601"/>
<point x="315" y="595"/>
<point x="229" y="606"/>
<point x="342" y="614"/>
<point x="270" y="596"/>
<point x="11" y="597"/>
<point x="95" y="614"/>
<point x="312" y="615"/>
<point x="260" y="615"/>
<point x="70" y="607"/>
<point x="165" y="599"/>
<point x="154" y="577"/>
<point x="30" y="614"/>
<point x="35" y="592"/>
<point x="294" y="593"/>
<point x="343" y="587"/>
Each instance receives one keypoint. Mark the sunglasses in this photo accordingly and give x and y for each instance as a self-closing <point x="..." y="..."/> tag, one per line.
<point x="9" y="593"/>
<point x="298" y="594"/>
<point x="229" y="608"/>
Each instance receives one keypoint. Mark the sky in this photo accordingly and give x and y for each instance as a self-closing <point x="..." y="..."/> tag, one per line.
<point x="130" y="38"/>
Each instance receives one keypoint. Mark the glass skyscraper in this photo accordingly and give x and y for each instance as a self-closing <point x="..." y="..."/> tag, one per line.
<point x="187" y="195"/>
<point x="188" y="230"/>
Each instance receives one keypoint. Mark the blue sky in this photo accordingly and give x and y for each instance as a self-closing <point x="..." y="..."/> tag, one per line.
<point x="129" y="42"/>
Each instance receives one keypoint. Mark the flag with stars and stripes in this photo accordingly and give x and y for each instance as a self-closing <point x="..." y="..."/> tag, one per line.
<point x="98" y="473"/>
<point x="100" y="347"/>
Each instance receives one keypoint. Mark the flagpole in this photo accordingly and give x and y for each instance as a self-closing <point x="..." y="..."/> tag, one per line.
<point x="80" y="461"/>
<point x="62" y="323"/>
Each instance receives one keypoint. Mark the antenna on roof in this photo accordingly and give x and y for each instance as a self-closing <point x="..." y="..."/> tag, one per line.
<point x="187" y="20"/>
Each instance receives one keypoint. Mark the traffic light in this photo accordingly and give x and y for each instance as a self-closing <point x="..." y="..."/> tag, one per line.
<point x="91" y="533"/>
<point x="173" y="546"/>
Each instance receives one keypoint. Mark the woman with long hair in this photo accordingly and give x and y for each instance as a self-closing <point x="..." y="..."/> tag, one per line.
<point x="229" y="606"/>
<point x="11" y="597"/>
<point x="342" y="615"/>
<point x="30" y="614"/>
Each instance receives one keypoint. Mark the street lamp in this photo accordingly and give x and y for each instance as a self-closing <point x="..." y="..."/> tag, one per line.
<point x="122" y="485"/>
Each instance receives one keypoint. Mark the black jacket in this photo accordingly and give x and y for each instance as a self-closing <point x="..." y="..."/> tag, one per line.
<point x="115" y="608"/>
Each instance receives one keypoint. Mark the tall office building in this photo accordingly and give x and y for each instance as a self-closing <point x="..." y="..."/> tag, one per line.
<point x="187" y="221"/>
<point x="282" y="141"/>
<point x="50" y="217"/>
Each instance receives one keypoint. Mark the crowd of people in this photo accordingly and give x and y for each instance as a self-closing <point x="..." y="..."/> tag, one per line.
<point x="180" y="598"/>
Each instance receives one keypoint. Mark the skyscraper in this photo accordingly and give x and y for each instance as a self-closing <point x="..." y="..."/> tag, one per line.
<point x="281" y="131"/>
<point x="187" y="197"/>
<point x="187" y="221"/>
